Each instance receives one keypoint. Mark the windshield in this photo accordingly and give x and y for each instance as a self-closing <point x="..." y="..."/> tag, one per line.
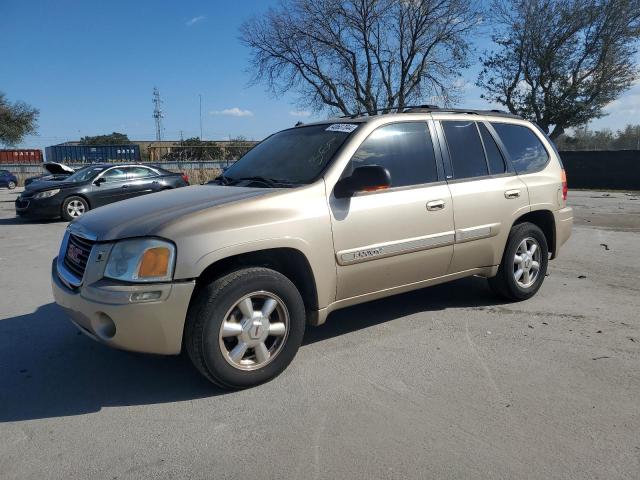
<point x="294" y="156"/>
<point x="84" y="174"/>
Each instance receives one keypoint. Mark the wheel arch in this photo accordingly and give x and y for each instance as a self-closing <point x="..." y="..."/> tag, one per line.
<point x="81" y="195"/>
<point x="290" y="262"/>
<point x="545" y="220"/>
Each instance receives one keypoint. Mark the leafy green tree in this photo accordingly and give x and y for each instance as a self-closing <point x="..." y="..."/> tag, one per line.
<point x="16" y="121"/>
<point x="560" y="62"/>
<point x="114" y="138"/>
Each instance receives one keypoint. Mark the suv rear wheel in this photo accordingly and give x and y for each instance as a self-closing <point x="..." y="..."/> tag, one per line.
<point x="244" y="328"/>
<point x="524" y="263"/>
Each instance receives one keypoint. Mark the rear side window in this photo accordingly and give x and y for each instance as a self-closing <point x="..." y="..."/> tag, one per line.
<point x="140" y="172"/>
<point x="525" y="149"/>
<point x="405" y="149"/>
<point x="465" y="149"/>
<point x="494" y="157"/>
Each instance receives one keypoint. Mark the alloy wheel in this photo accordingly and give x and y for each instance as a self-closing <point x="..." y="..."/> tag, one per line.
<point x="526" y="262"/>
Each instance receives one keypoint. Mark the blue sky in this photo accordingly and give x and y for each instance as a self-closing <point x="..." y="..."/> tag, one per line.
<point x="90" y="67"/>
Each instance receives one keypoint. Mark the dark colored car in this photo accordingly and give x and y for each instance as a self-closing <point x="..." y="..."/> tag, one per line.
<point x="55" y="172"/>
<point x="8" y="179"/>
<point x="92" y="187"/>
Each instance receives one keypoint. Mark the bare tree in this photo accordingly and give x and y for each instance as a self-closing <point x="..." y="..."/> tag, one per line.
<point x="560" y="62"/>
<point x="362" y="55"/>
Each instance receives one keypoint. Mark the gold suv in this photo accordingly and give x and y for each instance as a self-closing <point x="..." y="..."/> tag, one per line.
<point x="313" y="219"/>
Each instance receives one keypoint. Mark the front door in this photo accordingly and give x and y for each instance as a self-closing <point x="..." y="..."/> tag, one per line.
<point x="398" y="236"/>
<point x="113" y="188"/>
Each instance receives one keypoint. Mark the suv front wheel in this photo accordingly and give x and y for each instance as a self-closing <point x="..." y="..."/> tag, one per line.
<point x="524" y="263"/>
<point x="244" y="328"/>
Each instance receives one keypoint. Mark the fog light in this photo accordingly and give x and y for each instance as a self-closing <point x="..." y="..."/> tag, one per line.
<point x="145" y="296"/>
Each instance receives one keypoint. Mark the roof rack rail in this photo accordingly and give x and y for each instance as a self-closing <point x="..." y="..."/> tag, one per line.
<point x="429" y="109"/>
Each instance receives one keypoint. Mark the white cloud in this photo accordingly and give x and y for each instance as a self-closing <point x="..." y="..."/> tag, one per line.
<point x="194" y="20"/>
<point x="232" y="112"/>
<point x="299" y="113"/>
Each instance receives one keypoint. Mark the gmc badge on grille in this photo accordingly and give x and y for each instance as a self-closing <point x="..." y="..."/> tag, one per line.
<point x="73" y="253"/>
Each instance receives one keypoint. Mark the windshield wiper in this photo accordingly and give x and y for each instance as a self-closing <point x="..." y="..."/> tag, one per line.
<point x="271" y="182"/>
<point x="222" y="180"/>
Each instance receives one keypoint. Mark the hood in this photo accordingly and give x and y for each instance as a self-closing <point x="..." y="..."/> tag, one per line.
<point x="49" y="183"/>
<point x="57" y="168"/>
<point x="147" y="214"/>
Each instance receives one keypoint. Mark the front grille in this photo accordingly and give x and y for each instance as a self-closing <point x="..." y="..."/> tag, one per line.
<point x="77" y="254"/>
<point x="20" y="203"/>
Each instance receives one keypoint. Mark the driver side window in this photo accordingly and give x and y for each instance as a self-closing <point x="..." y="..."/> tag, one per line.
<point x="117" y="174"/>
<point x="404" y="149"/>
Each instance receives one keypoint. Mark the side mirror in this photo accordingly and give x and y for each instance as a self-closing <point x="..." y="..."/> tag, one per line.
<point x="363" y="179"/>
<point x="99" y="181"/>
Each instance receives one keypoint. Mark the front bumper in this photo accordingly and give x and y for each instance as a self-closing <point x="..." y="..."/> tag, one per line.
<point x="41" y="208"/>
<point x="103" y="310"/>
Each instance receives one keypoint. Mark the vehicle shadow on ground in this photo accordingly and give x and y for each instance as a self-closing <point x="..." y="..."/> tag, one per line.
<point x="467" y="292"/>
<point x="49" y="369"/>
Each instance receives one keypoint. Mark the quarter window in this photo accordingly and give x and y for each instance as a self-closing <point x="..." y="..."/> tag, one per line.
<point x="524" y="147"/>
<point x="494" y="157"/>
<point x="405" y="149"/>
<point x="465" y="149"/>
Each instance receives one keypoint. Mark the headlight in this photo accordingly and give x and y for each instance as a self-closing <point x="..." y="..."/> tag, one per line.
<point x="141" y="260"/>
<point x="47" y="193"/>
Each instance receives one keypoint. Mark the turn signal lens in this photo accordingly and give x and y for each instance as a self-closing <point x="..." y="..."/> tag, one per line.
<point x="154" y="263"/>
<point x="376" y="188"/>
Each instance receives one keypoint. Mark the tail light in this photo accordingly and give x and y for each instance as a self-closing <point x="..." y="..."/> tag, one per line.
<point x="185" y="177"/>
<point x="565" y="188"/>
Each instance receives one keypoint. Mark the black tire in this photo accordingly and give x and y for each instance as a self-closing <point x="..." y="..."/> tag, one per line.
<point x="11" y="185"/>
<point x="504" y="284"/>
<point x="207" y="312"/>
<point x="66" y="215"/>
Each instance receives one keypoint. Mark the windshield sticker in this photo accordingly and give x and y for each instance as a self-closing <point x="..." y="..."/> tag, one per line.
<point x="342" y="127"/>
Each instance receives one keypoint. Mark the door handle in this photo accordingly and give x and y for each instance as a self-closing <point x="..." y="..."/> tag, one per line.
<point x="435" y="205"/>
<point x="125" y="186"/>
<point x="509" y="194"/>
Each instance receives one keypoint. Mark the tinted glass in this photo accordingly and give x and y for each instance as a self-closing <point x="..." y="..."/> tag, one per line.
<point x="494" y="157"/>
<point x="140" y="172"/>
<point x="297" y="155"/>
<point x="465" y="149"/>
<point x="405" y="149"/>
<point x="86" y="173"/>
<point x="4" y="172"/>
<point x="525" y="149"/>
<point x="116" y="174"/>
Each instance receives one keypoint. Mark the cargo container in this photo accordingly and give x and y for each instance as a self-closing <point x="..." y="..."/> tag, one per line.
<point x="20" y="156"/>
<point x="92" y="153"/>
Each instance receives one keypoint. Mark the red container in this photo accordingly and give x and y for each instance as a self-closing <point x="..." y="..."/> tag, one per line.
<point x="17" y="156"/>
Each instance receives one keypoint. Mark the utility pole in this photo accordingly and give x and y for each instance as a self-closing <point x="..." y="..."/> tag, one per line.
<point x="200" y="96"/>
<point x="157" y="113"/>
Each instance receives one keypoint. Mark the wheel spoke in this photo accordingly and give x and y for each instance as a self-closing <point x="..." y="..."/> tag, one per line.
<point x="533" y="249"/>
<point x="535" y="265"/>
<point x="230" y="329"/>
<point x="277" y="329"/>
<point x="262" y="352"/>
<point x="238" y="352"/>
<point x="523" y="246"/>
<point x="527" y="277"/>
<point x="518" y="274"/>
<point x="518" y="260"/>
<point x="269" y="306"/>
<point x="246" y="307"/>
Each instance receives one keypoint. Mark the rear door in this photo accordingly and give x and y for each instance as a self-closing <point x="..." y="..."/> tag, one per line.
<point x="487" y="195"/>
<point x="142" y="180"/>
<point x="398" y="236"/>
